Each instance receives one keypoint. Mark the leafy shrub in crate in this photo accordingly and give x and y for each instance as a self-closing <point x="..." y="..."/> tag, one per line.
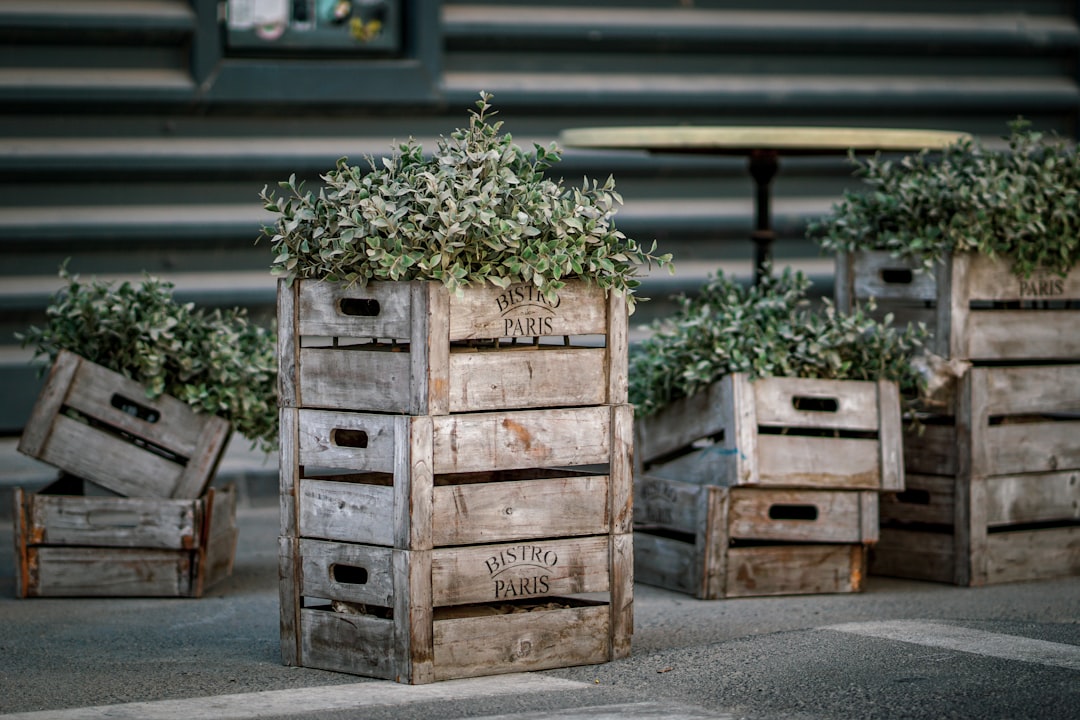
<point x="735" y="366"/>
<point x="143" y="391"/>
<point x="980" y="243"/>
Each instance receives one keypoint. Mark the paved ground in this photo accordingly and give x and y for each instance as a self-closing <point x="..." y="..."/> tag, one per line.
<point x="899" y="650"/>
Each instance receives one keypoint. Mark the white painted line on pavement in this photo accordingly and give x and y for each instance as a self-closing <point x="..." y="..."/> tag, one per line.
<point x="625" y="711"/>
<point x="962" y="639"/>
<point x="325" y="698"/>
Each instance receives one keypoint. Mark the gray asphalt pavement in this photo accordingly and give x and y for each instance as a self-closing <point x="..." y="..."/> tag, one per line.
<point x="901" y="649"/>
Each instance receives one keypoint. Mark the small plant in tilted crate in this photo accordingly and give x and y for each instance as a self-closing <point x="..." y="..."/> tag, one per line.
<point x="143" y="392"/>
<point x="74" y="540"/>
<point x="423" y="548"/>
<point x="979" y="244"/>
<point x="748" y="394"/>
<point x="993" y="482"/>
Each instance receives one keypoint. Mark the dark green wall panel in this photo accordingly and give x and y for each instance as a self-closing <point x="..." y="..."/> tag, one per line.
<point x="133" y="138"/>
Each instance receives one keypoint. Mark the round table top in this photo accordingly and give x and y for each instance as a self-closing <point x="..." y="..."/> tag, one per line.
<point x="736" y="140"/>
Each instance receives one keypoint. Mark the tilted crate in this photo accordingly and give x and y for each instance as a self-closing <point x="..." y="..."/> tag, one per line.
<point x="778" y="432"/>
<point x="403" y="536"/>
<point x="993" y="486"/>
<point x="97" y="424"/>
<point x="976" y="308"/>
<point x="68" y="544"/>
<point x="721" y="542"/>
<point x="417" y="348"/>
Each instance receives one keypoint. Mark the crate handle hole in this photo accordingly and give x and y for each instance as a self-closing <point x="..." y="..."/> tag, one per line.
<point x="130" y="407"/>
<point x="359" y="307"/>
<point x="815" y="404"/>
<point x="349" y="574"/>
<point x="793" y="512"/>
<point x="344" y="437"/>
<point x="914" y="497"/>
<point x="897" y="276"/>
<point x="113" y="518"/>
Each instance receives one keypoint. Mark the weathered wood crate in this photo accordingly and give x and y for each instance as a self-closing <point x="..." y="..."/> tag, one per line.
<point x="778" y="432"/>
<point x="412" y="546"/>
<point x="419" y="616"/>
<point x="976" y="308"/>
<point x="97" y="424"/>
<point x="993" y="489"/>
<point x="415" y="348"/>
<point x="68" y="544"/>
<point x="722" y="542"/>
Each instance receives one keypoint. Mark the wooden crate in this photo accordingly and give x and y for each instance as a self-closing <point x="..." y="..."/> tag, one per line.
<point x="722" y="542"/>
<point x="433" y="507"/>
<point x="974" y="305"/>
<point x="415" y="479"/>
<point x="778" y="432"/>
<point x="96" y="424"/>
<point x="415" y="348"/>
<point x="68" y="544"/>
<point x="993" y="489"/>
<point x="419" y="616"/>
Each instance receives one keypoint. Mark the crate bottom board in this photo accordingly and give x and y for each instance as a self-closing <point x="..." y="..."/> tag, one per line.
<point x="117" y="572"/>
<point x="750" y="571"/>
<point x="462" y="646"/>
<point x="1013" y="556"/>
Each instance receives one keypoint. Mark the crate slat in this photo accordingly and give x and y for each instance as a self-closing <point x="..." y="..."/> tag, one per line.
<point x="524" y="642"/>
<point x="795" y="570"/>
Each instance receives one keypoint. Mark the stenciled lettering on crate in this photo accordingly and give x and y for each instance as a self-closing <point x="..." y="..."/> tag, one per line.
<point x="97" y="424"/>
<point x="778" y="432"/>
<point x="993" y="492"/>
<point x="975" y="306"/>
<point x="72" y="545"/>
<point x="422" y="615"/>
<point x="416" y="348"/>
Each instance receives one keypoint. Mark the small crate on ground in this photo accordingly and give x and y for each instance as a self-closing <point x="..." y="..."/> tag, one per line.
<point x="993" y="487"/>
<point x="723" y="542"/>
<point x="71" y="544"/>
<point x="416" y="348"/>
<point x="778" y="432"/>
<point x="976" y="308"/>
<point x="96" y="424"/>
<point x="422" y="548"/>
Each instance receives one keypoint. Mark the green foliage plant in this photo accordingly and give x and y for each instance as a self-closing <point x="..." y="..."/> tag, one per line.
<point x="217" y="361"/>
<point x="765" y="330"/>
<point x="1021" y="204"/>
<point x="480" y="209"/>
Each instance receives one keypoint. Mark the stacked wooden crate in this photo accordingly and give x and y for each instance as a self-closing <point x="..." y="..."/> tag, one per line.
<point x="765" y="487"/>
<point x="992" y="492"/>
<point x="132" y="513"/>
<point x="455" y="487"/>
